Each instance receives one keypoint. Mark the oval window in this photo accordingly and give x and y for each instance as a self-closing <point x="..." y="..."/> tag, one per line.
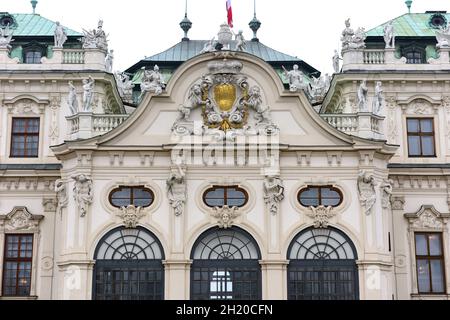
<point x="221" y="196"/>
<point x="136" y="196"/>
<point x="326" y="196"/>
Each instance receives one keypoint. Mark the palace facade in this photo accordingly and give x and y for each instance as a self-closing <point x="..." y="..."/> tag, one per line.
<point x="225" y="169"/>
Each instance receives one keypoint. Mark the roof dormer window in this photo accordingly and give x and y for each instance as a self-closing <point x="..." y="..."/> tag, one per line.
<point x="438" y="21"/>
<point x="7" y="20"/>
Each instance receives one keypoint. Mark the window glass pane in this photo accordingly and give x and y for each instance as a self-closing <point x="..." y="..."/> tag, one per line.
<point x="310" y="193"/>
<point x="428" y="146"/>
<point x="414" y="146"/>
<point x="329" y="193"/>
<point x="413" y="125"/>
<point x="331" y="202"/>
<point x="235" y="193"/>
<point x="437" y="276"/>
<point x="142" y="202"/>
<point x="435" y="245"/>
<point x="120" y="202"/>
<point x="215" y="202"/>
<point x="236" y="202"/>
<point x="421" y="245"/>
<point x="426" y="125"/>
<point x="216" y="194"/>
<point x="423" y="275"/>
<point x="124" y="193"/>
<point x="309" y="202"/>
<point x="141" y="193"/>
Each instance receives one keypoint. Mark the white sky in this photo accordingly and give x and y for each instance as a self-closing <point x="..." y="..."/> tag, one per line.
<point x="308" y="29"/>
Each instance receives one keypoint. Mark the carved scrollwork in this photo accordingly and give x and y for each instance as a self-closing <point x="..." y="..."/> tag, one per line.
<point x="226" y="216"/>
<point x="428" y="218"/>
<point x="321" y="216"/>
<point x="20" y="219"/>
<point x="130" y="216"/>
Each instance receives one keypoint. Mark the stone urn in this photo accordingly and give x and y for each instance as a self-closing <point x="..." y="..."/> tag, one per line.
<point x="225" y="36"/>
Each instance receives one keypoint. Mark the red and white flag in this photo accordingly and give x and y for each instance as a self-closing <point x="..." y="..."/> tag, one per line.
<point x="230" y="14"/>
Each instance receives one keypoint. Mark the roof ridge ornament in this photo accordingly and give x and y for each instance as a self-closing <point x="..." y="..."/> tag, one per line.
<point x="409" y="4"/>
<point x="34" y="4"/>
<point x="255" y="24"/>
<point x="185" y="24"/>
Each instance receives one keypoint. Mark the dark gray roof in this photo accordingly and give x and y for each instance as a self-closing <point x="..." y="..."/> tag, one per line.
<point x="186" y="50"/>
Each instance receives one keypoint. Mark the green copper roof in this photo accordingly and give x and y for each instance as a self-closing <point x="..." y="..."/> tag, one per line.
<point x="410" y="25"/>
<point x="34" y="25"/>
<point x="186" y="50"/>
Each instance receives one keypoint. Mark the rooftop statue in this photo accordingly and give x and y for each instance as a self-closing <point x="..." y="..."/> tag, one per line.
<point x="295" y="77"/>
<point x="5" y="37"/>
<point x="319" y="87"/>
<point x="109" y="60"/>
<point x="153" y="81"/>
<point x="389" y="35"/>
<point x="241" y="43"/>
<point x="336" y="62"/>
<point x="209" y="46"/>
<point x="60" y="35"/>
<point x="351" y="39"/>
<point x="95" y="39"/>
<point x="362" y="96"/>
<point x="443" y="37"/>
<point x="125" y="86"/>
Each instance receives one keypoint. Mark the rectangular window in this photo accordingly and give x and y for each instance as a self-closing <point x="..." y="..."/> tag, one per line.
<point x="33" y="57"/>
<point x="430" y="263"/>
<point x="421" y="142"/>
<point x="17" y="265"/>
<point x="25" y="138"/>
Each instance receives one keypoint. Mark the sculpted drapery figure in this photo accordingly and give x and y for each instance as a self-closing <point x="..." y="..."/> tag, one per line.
<point x="176" y="190"/>
<point x="125" y="86"/>
<point x="61" y="195"/>
<point x="72" y="99"/>
<point x="152" y="81"/>
<point x="109" y="60"/>
<point x="295" y="78"/>
<point x="88" y="94"/>
<point x="367" y="193"/>
<point x="194" y="100"/>
<point x="96" y="39"/>
<point x="83" y="193"/>
<point x="336" y="62"/>
<point x="347" y="35"/>
<point x="273" y="193"/>
<point x="362" y="96"/>
<point x="353" y="39"/>
<point x="60" y="35"/>
<point x="389" y="36"/>
<point x="386" y="189"/>
<point x="209" y="46"/>
<point x="255" y="102"/>
<point x="240" y="41"/>
<point x="378" y="98"/>
<point x="5" y="37"/>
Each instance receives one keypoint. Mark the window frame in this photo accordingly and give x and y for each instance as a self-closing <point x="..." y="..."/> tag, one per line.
<point x="119" y="188"/>
<point x="225" y="198"/>
<point x="25" y="134"/>
<point x="331" y="187"/>
<point x="18" y="261"/>
<point x="33" y="47"/>
<point x="421" y="134"/>
<point x="430" y="258"/>
<point x="415" y="48"/>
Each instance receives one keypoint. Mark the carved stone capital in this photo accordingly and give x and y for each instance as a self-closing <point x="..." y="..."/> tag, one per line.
<point x="398" y="202"/>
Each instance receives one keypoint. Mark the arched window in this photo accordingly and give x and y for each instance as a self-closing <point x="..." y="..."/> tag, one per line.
<point x="33" y="52"/>
<point x="129" y="266"/>
<point x="136" y="196"/>
<point x="220" y="196"/>
<point x="226" y="266"/>
<point x="315" y="196"/>
<point x="322" y="266"/>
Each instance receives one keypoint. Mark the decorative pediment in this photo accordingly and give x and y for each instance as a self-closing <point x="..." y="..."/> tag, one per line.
<point x="26" y="105"/>
<point x="428" y="218"/>
<point x="20" y="219"/>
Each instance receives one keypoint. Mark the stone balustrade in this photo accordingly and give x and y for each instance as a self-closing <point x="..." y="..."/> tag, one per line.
<point x="85" y="125"/>
<point x="363" y="124"/>
<point x="385" y="59"/>
<point x="62" y="59"/>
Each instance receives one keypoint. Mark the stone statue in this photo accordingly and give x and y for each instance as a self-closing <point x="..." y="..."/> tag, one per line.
<point x="194" y="100"/>
<point x="109" y="60"/>
<point x="386" y="189"/>
<point x="362" y="96"/>
<point x="176" y="190"/>
<point x="240" y="41"/>
<point x="152" y="81"/>
<point x="273" y="193"/>
<point x="319" y="87"/>
<point x="367" y="194"/>
<point x="124" y="86"/>
<point x="95" y="39"/>
<point x="72" y="99"/>
<point x="351" y="39"/>
<point x="60" y="35"/>
<point x="83" y="193"/>
<point x="389" y="36"/>
<point x="254" y="102"/>
<point x="61" y="195"/>
<point x="378" y="98"/>
<point x="336" y="62"/>
<point x="6" y="37"/>
<point x="209" y="46"/>
<point x="295" y="78"/>
<point x="88" y="94"/>
<point x="443" y="37"/>
<point x="347" y="35"/>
